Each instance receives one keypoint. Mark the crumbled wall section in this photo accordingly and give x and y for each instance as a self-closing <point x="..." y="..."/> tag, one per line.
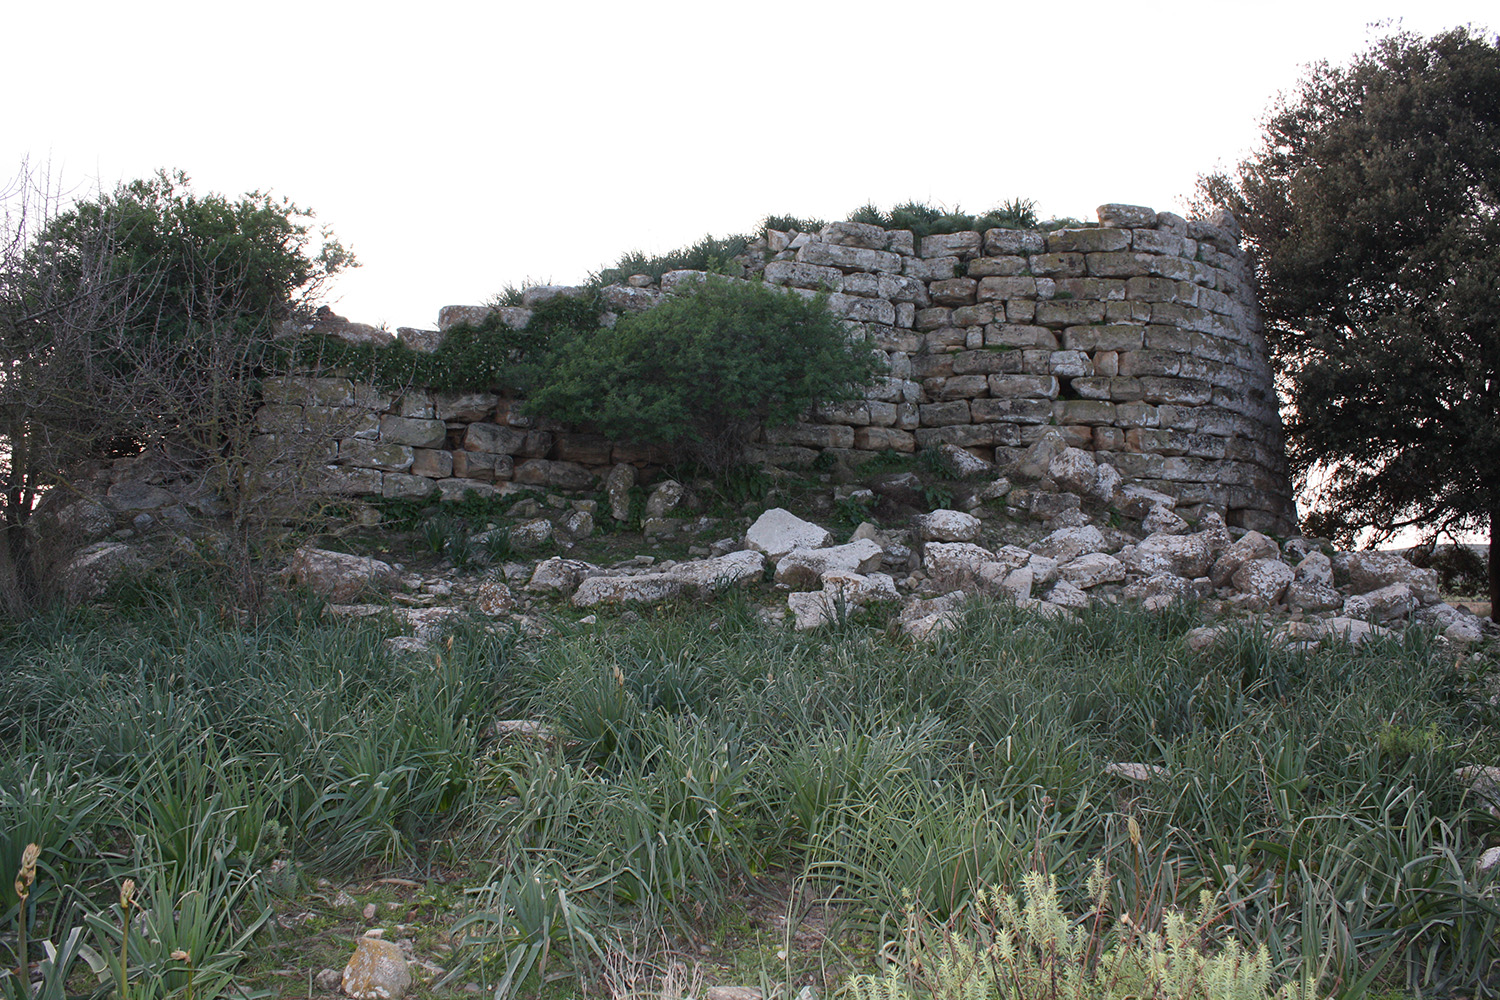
<point x="1139" y="337"/>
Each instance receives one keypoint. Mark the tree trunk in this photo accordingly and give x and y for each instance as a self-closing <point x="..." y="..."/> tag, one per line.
<point x="1495" y="564"/>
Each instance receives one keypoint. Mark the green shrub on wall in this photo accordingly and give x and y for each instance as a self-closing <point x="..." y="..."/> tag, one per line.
<point x="701" y="369"/>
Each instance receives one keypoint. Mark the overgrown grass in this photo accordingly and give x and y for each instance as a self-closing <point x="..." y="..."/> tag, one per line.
<point x="699" y="749"/>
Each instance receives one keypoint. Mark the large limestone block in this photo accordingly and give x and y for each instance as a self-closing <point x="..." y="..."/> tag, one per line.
<point x="413" y="431"/>
<point x="948" y="526"/>
<point x="778" y="531"/>
<point x="1372" y="570"/>
<point x="1262" y="578"/>
<point x="494" y="439"/>
<point x="1251" y="545"/>
<point x="697" y="579"/>
<point x="401" y="486"/>
<point x="559" y="576"/>
<point x="93" y="568"/>
<point x="1092" y="569"/>
<point x="803" y="569"/>
<point x="364" y="454"/>
<point x="377" y="971"/>
<point x="841" y="593"/>
<point x="1075" y="470"/>
<point x="1186" y="556"/>
<point x="1395" y="600"/>
<point x="1067" y="544"/>
<point x="339" y="576"/>
<point x="955" y="565"/>
<point x="1127" y="216"/>
<point x="560" y="475"/>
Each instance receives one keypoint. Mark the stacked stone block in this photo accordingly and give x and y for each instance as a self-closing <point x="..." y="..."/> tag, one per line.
<point x="1138" y="337"/>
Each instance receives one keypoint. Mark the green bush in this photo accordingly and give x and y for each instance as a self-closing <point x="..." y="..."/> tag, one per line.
<point x="703" y="368"/>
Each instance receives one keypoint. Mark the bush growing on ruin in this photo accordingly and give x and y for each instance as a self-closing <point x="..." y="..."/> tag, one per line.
<point x="1371" y="208"/>
<point x="143" y="318"/>
<point x="705" y="367"/>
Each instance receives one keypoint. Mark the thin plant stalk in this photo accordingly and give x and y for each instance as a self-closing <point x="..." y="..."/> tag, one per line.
<point x="25" y="877"/>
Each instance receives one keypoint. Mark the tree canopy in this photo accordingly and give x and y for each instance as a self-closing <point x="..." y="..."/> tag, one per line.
<point x="1373" y="208"/>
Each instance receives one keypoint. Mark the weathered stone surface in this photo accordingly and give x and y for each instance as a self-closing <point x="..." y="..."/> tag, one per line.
<point x="1067" y="544"/>
<point x="370" y="455"/>
<point x="1134" y="771"/>
<point x="558" y="575"/>
<point x="665" y="498"/>
<point x="1180" y="555"/>
<point x="947" y="526"/>
<point x="1090" y="570"/>
<point x="1164" y="520"/>
<point x="842" y="592"/>
<point x="532" y="533"/>
<point x="1369" y="571"/>
<point x="779" y="531"/>
<point x="560" y="475"/>
<point x="1307" y="596"/>
<point x="1127" y="216"/>
<point x="90" y="571"/>
<point x="803" y="569"/>
<point x="1351" y="630"/>
<point x="617" y="485"/>
<point x="454" y="490"/>
<point x="377" y="971"/>
<point x="1066" y="595"/>
<point x="494" y="439"/>
<point x="433" y="463"/>
<point x="1395" y="600"/>
<point x="1250" y="546"/>
<point x="1264" y="578"/>
<point x="466" y="406"/>
<point x="493" y="598"/>
<point x="338" y="576"/>
<point x="696" y="579"/>
<point x="954" y="565"/>
<point x="1075" y="470"/>
<point x="400" y="486"/>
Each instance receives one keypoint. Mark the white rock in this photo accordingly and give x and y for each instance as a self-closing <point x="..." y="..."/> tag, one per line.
<point x="1092" y="569"/>
<point x="1373" y="570"/>
<point x="778" y="531"/>
<point x="493" y="598"/>
<point x="1180" y="555"/>
<point x="1315" y="568"/>
<point x="1106" y="484"/>
<point x="803" y="569"/>
<point x="1263" y="578"/>
<point x="1133" y="771"/>
<point x="531" y="534"/>
<point x="93" y="568"/>
<point x="1306" y="596"/>
<point x="1160" y="590"/>
<point x="1138" y="501"/>
<point x="961" y="464"/>
<point x="1067" y="544"/>
<point x="558" y="575"/>
<point x="954" y="565"/>
<point x="1165" y="521"/>
<point x="1396" y="600"/>
<point x="696" y="578"/>
<point x="1351" y="630"/>
<point x="1074" y="470"/>
<point x="339" y="576"/>
<point x="1465" y="631"/>
<point x="1252" y="545"/>
<point x="841" y="592"/>
<point x="665" y="498"/>
<point x="947" y="526"/>
<point x="1065" y="595"/>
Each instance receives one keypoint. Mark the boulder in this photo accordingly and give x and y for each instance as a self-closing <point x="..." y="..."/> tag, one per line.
<point x="1065" y="595"/>
<point x="953" y="566"/>
<point x="377" y="971"/>
<point x="1036" y="461"/>
<point x="1351" y="630"/>
<point x="558" y="575"/>
<point x="923" y="621"/>
<point x="559" y="475"/>
<point x="1266" y="579"/>
<point x="841" y="592"/>
<point x="778" y="531"/>
<point x="338" y="576"/>
<point x="962" y="464"/>
<point x="617" y="486"/>
<point x="531" y="533"/>
<point x="1180" y="555"/>
<point x="493" y="598"/>
<point x="1074" y="470"/>
<point x="1159" y="591"/>
<point x="803" y="569"/>
<point x="1252" y="545"/>
<point x="1316" y="569"/>
<point x="1307" y="596"/>
<point x="1164" y="520"/>
<point x="1369" y="571"/>
<point x="694" y="579"/>
<point x="947" y="526"/>
<point x="1067" y="544"/>
<point x="665" y="498"/>
<point x="90" y="571"/>
<point x="1090" y="570"/>
<point x="1396" y="600"/>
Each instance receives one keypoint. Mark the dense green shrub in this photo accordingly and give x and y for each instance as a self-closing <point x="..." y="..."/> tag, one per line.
<point x="705" y="367"/>
<point x="929" y="220"/>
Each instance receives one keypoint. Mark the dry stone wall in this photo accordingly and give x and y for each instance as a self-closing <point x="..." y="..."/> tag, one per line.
<point x="1138" y="337"/>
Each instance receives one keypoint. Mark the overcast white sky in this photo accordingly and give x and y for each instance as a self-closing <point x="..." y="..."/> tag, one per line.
<point x="457" y="147"/>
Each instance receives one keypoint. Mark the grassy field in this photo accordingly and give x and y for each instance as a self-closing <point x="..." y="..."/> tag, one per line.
<point x="776" y="809"/>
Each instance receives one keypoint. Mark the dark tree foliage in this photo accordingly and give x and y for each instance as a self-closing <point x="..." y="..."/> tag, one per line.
<point x="705" y="367"/>
<point x="1373" y="206"/>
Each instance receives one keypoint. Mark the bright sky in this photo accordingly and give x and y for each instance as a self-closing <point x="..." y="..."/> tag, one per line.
<point x="458" y="147"/>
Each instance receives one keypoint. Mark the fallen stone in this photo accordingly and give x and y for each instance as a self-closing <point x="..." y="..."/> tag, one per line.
<point x="338" y="576"/>
<point x="1090" y="570"/>
<point x="803" y="569"/>
<point x="1067" y="544"/>
<point x="778" y="531"/>
<point x="954" y="566"/>
<point x="1133" y="771"/>
<point x="1369" y="571"/>
<point x="962" y="464"/>
<point x="1074" y="470"/>
<point x="693" y="579"/>
<point x="665" y="498"/>
<point x="377" y="971"/>
<point x="1265" y="579"/>
<point x="1180" y="555"/>
<point x="1351" y="630"/>
<point x="947" y="526"/>
<point x="1396" y="600"/>
<point x="558" y="575"/>
<point x="531" y="534"/>
<point x="1066" y="595"/>
<point x="617" y="486"/>
<point x="841" y="593"/>
<point x="1305" y="596"/>
<point x="91" y="570"/>
<point x="1164" y="520"/>
<point x="493" y="598"/>
<point x="1251" y="546"/>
